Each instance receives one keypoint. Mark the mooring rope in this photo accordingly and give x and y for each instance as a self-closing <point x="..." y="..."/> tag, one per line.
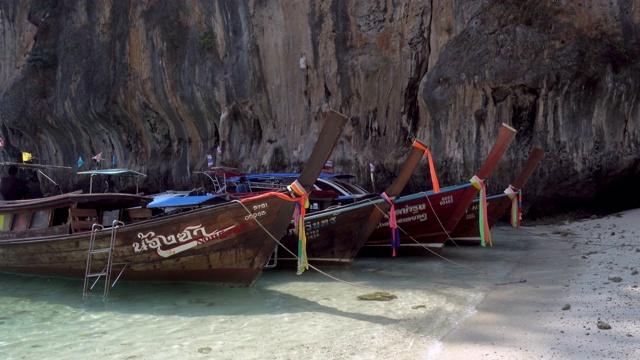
<point x="422" y="245"/>
<point x="296" y="256"/>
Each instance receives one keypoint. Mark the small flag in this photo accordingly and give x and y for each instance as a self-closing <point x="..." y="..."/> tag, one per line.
<point x="209" y="160"/>
<point x="328" y="167"/>
<point x="372" y="169"/>
<point x="219" y="150"/>
<point x="26" y="156"/>
<point x="98" y="157"/>
<point x="80" y="162"/>
<point x="113" y="160"/>
<point x="1" y="142"/>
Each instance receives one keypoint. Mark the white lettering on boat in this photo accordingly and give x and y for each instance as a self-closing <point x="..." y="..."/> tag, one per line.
<point x="417" y="217"/>
<point x="255" y="215"/>
<point x="313" y="228"/>
<point x="411" y="209"/>
<point x="446" y="200"/>
<point x="190" y="237"/>
<point x="260" y="206"/>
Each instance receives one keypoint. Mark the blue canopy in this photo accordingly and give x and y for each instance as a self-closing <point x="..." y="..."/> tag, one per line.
<point x="267" y="176"/>
<point x="181" y="201"/>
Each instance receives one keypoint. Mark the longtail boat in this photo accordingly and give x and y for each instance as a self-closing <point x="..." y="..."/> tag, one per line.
<point x="467" y="232"/>
<point x="426" y="219"/>
<point x="92" y="235"/>
<point x="334" y="236"/>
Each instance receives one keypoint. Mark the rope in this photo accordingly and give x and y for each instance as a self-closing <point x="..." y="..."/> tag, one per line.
<point x="525" y="230"/>
<point x="423" y="246"/>
<point x="277" y="240"/>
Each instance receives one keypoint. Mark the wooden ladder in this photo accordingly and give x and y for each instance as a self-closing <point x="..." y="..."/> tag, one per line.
<point x="107" y="269"/>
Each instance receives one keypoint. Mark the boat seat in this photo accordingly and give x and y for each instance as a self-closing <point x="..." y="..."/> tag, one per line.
<point x="139" y="214"/>
<point x="83" y="219"/>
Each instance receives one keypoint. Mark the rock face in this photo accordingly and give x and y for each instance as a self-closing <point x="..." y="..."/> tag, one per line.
<point x="158" y="85"/>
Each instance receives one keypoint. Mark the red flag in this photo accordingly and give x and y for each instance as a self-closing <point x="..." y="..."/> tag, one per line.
<point x="98" y="157"/>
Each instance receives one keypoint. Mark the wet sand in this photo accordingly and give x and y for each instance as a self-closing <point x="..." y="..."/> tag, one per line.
<point x="576" y="280"/>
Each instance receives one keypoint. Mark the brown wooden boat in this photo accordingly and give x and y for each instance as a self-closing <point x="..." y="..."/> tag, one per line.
<point x="467" y="232"/>
<point x="227" y="243"/>
<point x="426" y="219"/>
<point x="336" y="234"/>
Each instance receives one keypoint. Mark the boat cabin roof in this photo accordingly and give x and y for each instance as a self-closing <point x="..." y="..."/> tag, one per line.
<point x="119" y="172"/>
<point x="101" y="201"/>
<point x="34" y="166"/>
<point x="185" y="201"/>
<point x="268" y="176"/>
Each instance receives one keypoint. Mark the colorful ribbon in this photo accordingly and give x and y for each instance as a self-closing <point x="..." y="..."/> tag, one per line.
<point x="485" y="233"/>
<point x="298" y="220"/>
<point x="432" y="168"/>
<point x="393" y="224"/>
<point x="516" y="205"/>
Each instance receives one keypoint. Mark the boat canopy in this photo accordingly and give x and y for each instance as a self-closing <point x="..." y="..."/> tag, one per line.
<point x="38" y="168"/>
<point x="181" y="201"/>
<point x="116" y="172"/>
<point x="267" y="176"/>
<point x="34" y="166"/>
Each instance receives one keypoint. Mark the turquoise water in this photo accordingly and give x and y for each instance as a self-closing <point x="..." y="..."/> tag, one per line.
<point x="285" y="316"/>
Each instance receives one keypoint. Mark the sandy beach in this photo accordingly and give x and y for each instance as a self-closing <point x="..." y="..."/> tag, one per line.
<point x="574" y="295"/>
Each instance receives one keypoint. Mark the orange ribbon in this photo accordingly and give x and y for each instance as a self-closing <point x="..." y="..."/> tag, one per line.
<point x="432" y="168"/>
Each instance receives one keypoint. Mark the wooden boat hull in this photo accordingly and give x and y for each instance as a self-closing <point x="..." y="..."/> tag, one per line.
<point x="223" y="244"/>
<point x="228" y="243"/>
<point x="433" y="216"/>
<point x="425" y="221"/>
<point x="336" y="235"/>
<point x="467" y="232"/>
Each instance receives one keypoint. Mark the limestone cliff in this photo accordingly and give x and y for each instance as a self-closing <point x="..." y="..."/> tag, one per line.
<point x="158" y="85"/>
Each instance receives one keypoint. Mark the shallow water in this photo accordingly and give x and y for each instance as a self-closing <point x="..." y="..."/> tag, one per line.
<point x="284" y="316"/>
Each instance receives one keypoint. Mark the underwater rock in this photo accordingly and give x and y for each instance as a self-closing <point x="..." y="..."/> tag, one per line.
<point x="377" y="296"/>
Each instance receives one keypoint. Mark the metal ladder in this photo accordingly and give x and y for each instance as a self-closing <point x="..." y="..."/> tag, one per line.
<point x="216" y="184"/>
<point x="106" y="270"/>
<point x="273" y="259"/>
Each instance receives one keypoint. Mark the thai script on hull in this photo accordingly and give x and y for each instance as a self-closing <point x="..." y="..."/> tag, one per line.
<point x="418" y="217"/>
<point x="190" y="237"/>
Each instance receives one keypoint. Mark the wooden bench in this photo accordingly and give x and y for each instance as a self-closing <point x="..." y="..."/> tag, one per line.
<point x="136" y="215"/>
<point x="83" y="219"/>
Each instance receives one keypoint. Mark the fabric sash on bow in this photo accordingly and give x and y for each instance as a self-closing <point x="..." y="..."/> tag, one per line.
<point x="393" y="224"/>
<point x="516" y="205"/>
<point x="298" y="220"/>
<point x="432" y="168"/>
<point x="485" y="234"/>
